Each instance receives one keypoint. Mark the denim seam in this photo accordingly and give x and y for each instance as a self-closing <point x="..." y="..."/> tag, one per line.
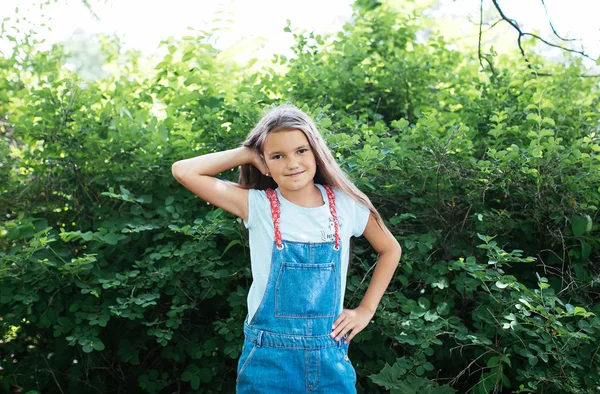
<point x="306" y="369"/>
<point x="247" y="362"/>
<point x="270" y="279"/>
<point x="266" y="345"/>
<point x="271" y="333"/>
<point x="328" y="267"/>
<point x="318" y="368"/>
<point x="277" y="286"/>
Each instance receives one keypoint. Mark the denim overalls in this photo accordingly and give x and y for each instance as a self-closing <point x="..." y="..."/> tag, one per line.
<point x="287" y="346"/>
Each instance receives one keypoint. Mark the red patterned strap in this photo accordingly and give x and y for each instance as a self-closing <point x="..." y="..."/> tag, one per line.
<point x="331" y="197"/>
<point x="276" y="215"/>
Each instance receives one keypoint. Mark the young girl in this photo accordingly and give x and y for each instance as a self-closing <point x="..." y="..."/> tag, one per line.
<point x="300" y="210"/>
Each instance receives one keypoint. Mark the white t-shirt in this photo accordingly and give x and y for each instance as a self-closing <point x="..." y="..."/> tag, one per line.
<point x="299" y="224"/>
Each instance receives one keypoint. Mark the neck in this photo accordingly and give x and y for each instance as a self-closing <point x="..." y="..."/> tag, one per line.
<point x="308" y="197"/>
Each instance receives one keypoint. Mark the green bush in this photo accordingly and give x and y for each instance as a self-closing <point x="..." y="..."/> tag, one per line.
<point x="116" y="279"/>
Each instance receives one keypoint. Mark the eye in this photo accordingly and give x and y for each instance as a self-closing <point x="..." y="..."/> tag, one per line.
<point x="276" y="157"/>
<point x="302" y="151"/>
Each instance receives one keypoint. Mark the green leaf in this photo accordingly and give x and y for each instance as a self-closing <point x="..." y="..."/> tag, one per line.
<point x="232" y="243"/>
<point x="424" y="303"/>
<point x="111" y="238"/>
<point x="586" y="250"/>
<point x="97" y="344"/>
<point x="535" y="117"/>
<point x="581" y="224"/>
<point x="549" y="121"/>
<point x="501" y="285"/>
<point x="390" y="376"/>
<point x="493" y="361"/>
<point x="403" y="279"/>
<point x="431" y="316"/>
<point x="443" y="308"/>
<point x="533" y="360"/>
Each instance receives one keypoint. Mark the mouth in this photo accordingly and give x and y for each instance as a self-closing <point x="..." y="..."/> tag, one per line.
<point x="295" y="174"/>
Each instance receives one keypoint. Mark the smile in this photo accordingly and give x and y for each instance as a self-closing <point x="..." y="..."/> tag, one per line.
<point x="296" y="174"/>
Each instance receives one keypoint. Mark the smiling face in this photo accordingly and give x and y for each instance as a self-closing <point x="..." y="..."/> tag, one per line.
<point x="290" y="160"/>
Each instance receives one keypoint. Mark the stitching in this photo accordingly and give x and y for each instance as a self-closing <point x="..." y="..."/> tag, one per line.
<point x="270" y="333"/>
<point x="304" y="316"/>
<point x="306" y="369"/>
<point x="320" y="267"/>
<point x="254" y="347"/>
<point x="267" y="344"/>
<point x="277" y="287"/>
<point x="323" y="267"/>
<point x="318" y="362"/>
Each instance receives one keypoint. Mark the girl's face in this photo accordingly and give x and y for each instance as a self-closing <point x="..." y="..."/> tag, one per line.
<point x="290" y="159"/>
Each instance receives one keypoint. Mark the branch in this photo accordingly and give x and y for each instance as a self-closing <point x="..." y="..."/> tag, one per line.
<point x="552" y="26"/>
<point x="479" y="42"/>
<point x="514" y="24"/>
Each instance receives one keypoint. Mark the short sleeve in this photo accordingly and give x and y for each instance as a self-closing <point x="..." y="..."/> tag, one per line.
<point x="361" y="218"/>
<point x="254" y="198"/>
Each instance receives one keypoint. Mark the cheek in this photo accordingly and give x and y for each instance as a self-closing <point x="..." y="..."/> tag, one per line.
<point x="276" y="165"/>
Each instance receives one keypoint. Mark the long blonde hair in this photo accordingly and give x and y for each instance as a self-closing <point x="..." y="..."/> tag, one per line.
<point x="289" y="117"/>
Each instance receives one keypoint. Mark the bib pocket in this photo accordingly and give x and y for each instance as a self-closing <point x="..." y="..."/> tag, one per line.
<point x="306" y="290"/>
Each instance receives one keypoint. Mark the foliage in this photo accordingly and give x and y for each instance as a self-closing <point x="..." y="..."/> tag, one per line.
<point x="116" y="279"/>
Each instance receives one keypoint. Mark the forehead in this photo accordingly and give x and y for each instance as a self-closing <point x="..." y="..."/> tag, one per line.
<point x="284" y="140"/>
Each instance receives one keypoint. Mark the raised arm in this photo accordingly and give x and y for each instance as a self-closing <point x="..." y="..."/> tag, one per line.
<point x="198" y="175"/>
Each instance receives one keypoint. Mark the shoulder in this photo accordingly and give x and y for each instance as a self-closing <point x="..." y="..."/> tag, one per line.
<point x="257" y="193"/>
<point x="258" y="206"/>
<point x="344" y="199"/>
<point x="352" y="210"/>
<point x="258" y="198"/>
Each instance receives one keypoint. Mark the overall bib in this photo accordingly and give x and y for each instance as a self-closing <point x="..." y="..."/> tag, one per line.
<point x="287" y="346"/>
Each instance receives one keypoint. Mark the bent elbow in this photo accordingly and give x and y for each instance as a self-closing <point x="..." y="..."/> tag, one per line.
<point x="177" y="170"/>
<point x="397" y="251"/>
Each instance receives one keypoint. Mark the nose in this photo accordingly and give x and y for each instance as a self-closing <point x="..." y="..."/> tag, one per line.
<point x="292" y="163"/>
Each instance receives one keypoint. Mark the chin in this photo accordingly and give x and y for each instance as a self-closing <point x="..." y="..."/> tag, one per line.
<point x="294" y="185"/>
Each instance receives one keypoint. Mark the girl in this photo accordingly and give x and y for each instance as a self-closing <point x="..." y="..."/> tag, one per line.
<point x="300" y="210"/>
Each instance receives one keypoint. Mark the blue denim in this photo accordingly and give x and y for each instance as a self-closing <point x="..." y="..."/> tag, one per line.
<point x="287" y="346"/>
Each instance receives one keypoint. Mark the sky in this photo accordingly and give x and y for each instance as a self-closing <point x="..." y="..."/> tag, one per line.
<point x="143" y="23"/>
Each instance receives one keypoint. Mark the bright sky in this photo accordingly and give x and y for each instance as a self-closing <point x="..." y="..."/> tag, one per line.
<point x="577" y="19"/>
<point x="142" y="23"/>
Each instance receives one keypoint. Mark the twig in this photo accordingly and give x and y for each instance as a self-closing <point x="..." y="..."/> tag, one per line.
<point x="479" y="42"/>
<point x="552" y="26"/>
<point x="468" y="367"/>
<point x="514" y="24"/>
<point x="53" y="376"/>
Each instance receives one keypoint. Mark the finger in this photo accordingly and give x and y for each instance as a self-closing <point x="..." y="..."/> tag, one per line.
<point x="352" y="335"/>
<point x="339" y="319"/>
<point x="338" y="330"/>
<point x="344" y="330"/>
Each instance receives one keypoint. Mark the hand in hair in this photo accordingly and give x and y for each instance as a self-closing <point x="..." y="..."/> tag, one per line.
<point x="197" y="174"/>
<point x="258" y="161"/>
